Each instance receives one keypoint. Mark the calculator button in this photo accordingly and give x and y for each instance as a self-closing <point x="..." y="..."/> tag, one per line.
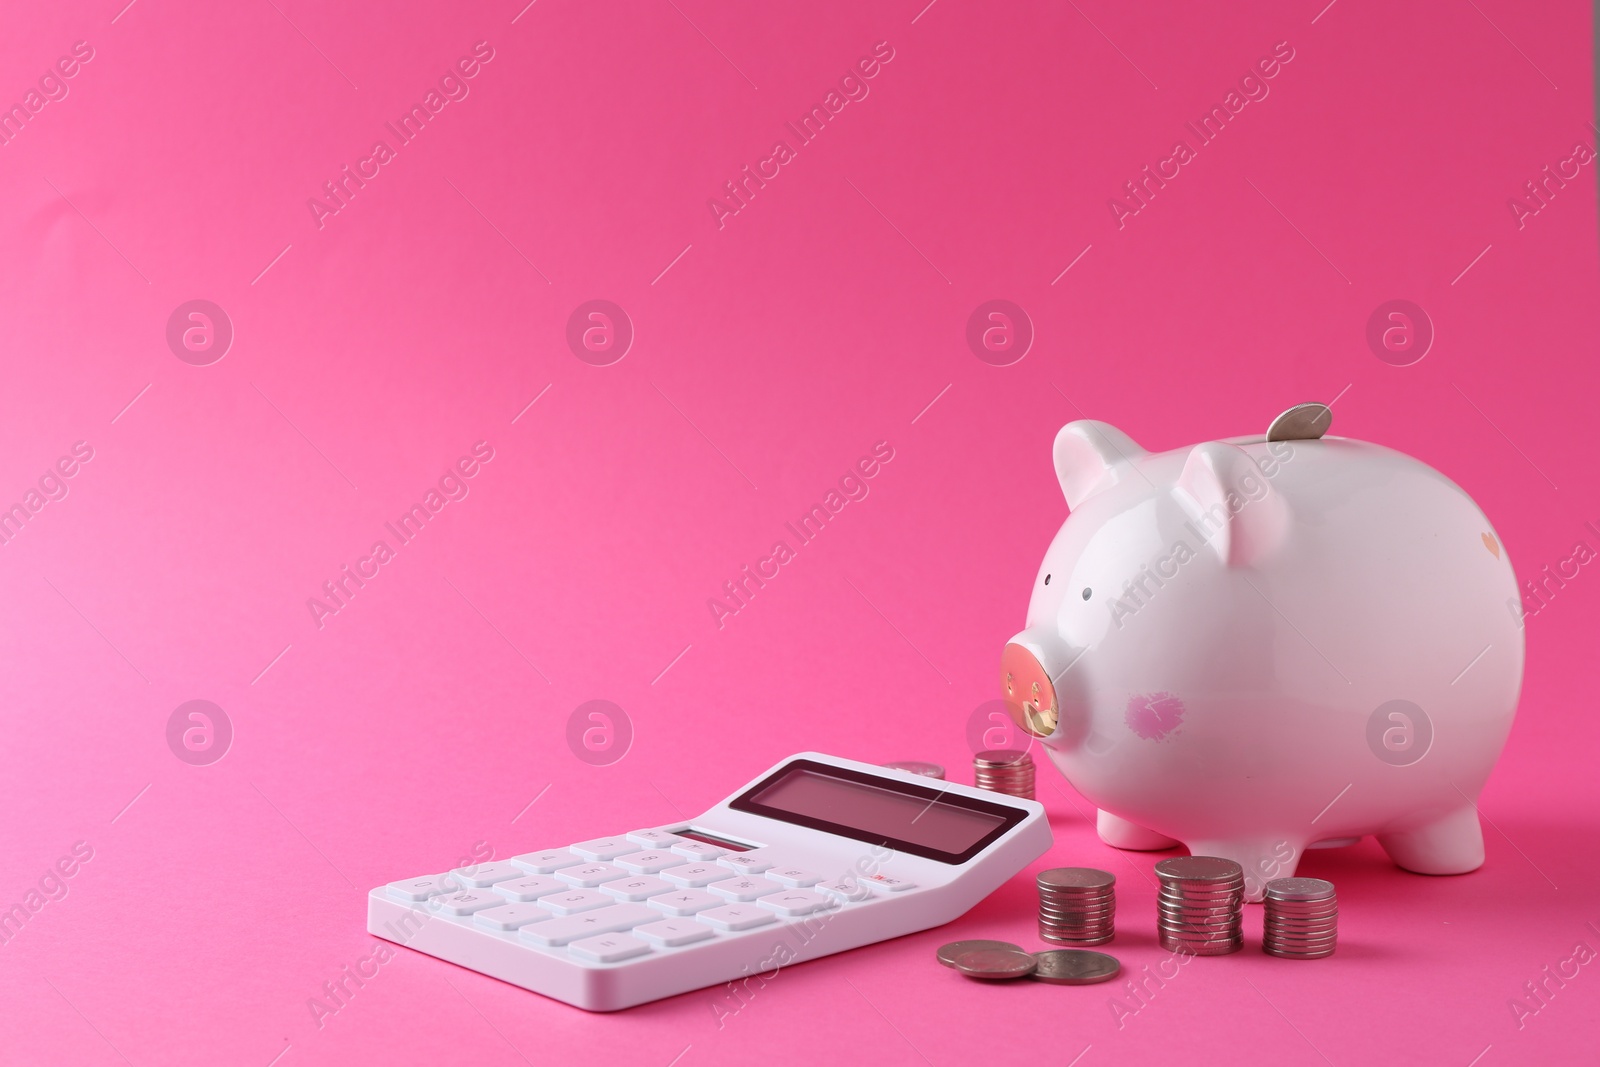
<point x="737" y="917"/>
<point x="423" y="888"/>
<point x="483" y="875"/>
<point x="648" y="862"/>
<point x="844" y="888"/>
<point x="669" y="933"/>
<point x="687" y="901"/>
<point x="468" y="901"/>
<point x="745" y="862"/>
<point x="797" y="902"/>
<point x="743" y="888"/>
<point x="600" y="921"/>
<point x="893" y="885"/>
<point x="793" y="876"/>
<point x="510" y="916"/>
<point x="574" y="901"/>
<point x="695" y="874"/>
<point x="604" y="848"/>
<point x="608" y="948"/>
<point x="654" y="838"/>
<point x="698" y="850"/>
<point x="529" y="887"/>
<point x="590" y="874"/>
<point x="639" y="887"/>
<point x="545" y="862"/>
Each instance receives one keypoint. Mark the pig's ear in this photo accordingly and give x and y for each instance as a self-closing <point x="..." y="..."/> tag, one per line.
<point x="1091" y="456"/>
<point x="1233" y="504"/>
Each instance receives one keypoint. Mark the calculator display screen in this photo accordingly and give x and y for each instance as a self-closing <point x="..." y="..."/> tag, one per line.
<point x="923" y="820"/>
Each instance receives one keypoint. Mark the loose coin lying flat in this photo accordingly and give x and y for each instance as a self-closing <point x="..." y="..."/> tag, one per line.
<point x="1072" y="966"/>
<point x="996" y="964"/>
<point x="948" y="954"/>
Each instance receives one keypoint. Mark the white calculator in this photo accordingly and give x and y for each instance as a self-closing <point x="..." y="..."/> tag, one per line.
<point x="817" y="855"/>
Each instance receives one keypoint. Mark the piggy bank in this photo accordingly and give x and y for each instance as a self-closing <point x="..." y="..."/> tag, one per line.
<point x="1257" y="646"/>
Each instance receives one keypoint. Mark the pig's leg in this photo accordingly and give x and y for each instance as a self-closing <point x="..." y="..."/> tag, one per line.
<point x="1452" y="844"/>
<point x="1120" y="833"/>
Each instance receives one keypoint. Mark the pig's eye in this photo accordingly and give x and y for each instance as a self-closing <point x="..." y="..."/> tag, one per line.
<point x="1086" y="592"/>
<point x="1047" y="579"/>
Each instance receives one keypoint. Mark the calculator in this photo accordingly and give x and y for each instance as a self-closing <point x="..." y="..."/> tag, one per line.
<point x="817" y="855"/>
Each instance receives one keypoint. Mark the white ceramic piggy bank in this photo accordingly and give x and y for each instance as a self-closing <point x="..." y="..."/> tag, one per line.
<point x="1257" y="647"/>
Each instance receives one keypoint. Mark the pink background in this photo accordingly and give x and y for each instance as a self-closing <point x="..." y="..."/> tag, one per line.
<point x="769" y="355"/>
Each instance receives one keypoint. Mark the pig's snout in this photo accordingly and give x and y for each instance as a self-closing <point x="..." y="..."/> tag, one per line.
<point x="1029" y="692"/>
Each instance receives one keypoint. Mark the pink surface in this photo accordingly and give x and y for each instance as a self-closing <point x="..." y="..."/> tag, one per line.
<point x="771" y="349"/>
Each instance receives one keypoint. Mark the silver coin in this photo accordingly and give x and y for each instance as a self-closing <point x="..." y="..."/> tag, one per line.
<point x="1077" y="914"/>
<point x="927" y="770"/>
<point x="1070" y="966"/>
<point x="1196" y="887"/>
<point x="1299" y="936"/>
<point x="1303" y="422"/>
<point x="1200" y="869"/>
<point x="996" y="964"/>
<point x="1075" y="908"/>
<point x="1224" y="884"/>
<point x="1176" y="937"/>
<point x="1075" y="878"/>
<point x="1220" y="902"/>
<point x="1182" y="911"/>
<point x="1003" y="757"/>
<point x="948" y="954"/>
<point x="1199" y="925"/>
<point x="1200" y="911"/>
<point x="1063" y="900"/>
<point x="1057" y="939"/>
<point x="1318" y="955"/>
<point x="1206" y="950"/>
<point x="1203" y="948"/>
<point x="1299" y="889"/>
<point x="1201" y="903"/>
<point x="1198" y="915"/>
<point x="1205" y="891"/>
<point x="1274" y="915"/>
<point x="1072" y="937"/>
<point x="1300" y="944"/>
<point x="1321" y="907"/>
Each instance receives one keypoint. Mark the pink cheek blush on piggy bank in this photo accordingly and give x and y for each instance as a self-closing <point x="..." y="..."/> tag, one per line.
<point x="1268" y="644"/>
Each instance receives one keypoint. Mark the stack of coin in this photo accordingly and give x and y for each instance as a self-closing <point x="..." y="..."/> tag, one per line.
<point x="1199" y="908"/>
<point x="1302" y="918"/>
<point x="916" y="766"/>
<point x="1004" y="770"/>
<point x="1077" y="906"/>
